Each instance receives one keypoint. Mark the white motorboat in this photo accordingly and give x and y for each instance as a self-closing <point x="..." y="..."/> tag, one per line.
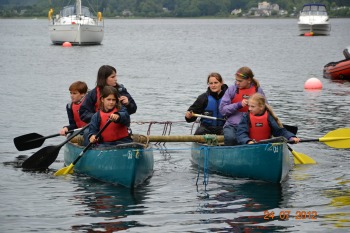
<point x="77" y="25"/>
<point x="314" y="20"/>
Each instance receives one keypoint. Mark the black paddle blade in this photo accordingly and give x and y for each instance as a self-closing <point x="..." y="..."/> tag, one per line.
<point x="291" y="128"/>
<point x="28" y="141"/>
<point x="42" y="159"/>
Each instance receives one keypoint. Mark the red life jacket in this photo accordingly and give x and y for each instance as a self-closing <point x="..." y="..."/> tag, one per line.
<point x="243" y="94"/>
<point x="114" y="131"/>
<point x="98" y="95"/>
<point x="75" y="110"/>
<point x="259" y="128"/>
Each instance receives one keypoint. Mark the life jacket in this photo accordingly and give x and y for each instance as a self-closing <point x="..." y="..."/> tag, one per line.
<point x="243" y="94"/>
<point x="98" y="95"/>
<point x="75" y="109"/>
<point x="212" y="109"/>
<point x="114" y="131"/>
<point x="259" y="128"/>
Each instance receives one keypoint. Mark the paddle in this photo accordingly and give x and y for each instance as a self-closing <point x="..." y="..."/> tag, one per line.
<point x="290" y="128"/>
<point x="43" y="158"/>
<point x="33" y="140"/>
<point x="300" y="158"/>
<point x="69" y="169"/>
<point x="339" y="138"/>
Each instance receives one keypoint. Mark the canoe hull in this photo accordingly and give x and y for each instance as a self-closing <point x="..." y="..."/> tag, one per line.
<point x="128" y="165"/>
<point x="268" y="162"/>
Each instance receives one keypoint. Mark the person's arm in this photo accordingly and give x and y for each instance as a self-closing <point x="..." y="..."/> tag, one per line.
<point x="72" y="124"/>
<point x="227" y="108"/>
<point x="242" y="131"/>
<point x="197" y="107"/>
<point x="94" y="127"/>
<point x="129" y="103"/>
<point x="124" y="117"/>
<point x="276" y="131"/>
<point x="87" y="108"/>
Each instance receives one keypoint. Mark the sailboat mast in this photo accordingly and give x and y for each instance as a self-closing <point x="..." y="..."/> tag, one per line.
<point x="78" y="7"/>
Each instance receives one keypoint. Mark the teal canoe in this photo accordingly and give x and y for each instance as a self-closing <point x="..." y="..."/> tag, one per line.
<point x="129" y="164"/>
<point x="268" y="162"/>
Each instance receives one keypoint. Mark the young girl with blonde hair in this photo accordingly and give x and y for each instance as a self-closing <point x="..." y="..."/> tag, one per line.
<point x="260" y="123"/>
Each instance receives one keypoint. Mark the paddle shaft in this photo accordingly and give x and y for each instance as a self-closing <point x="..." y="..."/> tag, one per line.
<point x="91" y="143"/>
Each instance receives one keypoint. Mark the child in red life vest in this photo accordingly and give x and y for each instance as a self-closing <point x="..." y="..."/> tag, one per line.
<point x="110" y="108"/>
<point x="78" y="92"/>
<point x="260" y="123"/>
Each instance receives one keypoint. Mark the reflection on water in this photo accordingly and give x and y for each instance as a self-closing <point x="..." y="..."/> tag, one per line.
<point x="109" y="203"/>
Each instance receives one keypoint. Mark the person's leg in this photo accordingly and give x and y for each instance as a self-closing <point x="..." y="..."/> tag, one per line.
<point x="230" y="135"/>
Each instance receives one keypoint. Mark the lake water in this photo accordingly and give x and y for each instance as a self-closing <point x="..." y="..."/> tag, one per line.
<point x="164" y="64"/>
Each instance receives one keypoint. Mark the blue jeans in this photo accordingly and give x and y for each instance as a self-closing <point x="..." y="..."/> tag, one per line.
<point x="230" y="135"/>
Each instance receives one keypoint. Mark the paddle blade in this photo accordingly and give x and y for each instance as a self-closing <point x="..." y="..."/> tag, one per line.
<point x="42" y="159"/>
<point x="300" y="158"/>
<point x="339" y="138"/>
<point x="28" y="141"/>
<point x="65" y="170"/>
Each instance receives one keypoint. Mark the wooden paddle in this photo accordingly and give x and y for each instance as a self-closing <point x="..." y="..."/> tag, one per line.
<point x="69" y="169"/>
<point x="33" y="140"/>
<point x="43" y="158"/>
<point x="339" y="138"/>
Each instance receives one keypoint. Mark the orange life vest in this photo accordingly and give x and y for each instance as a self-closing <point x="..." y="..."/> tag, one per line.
<point x="75" y="110"/>
<point x="243" y="94"/>
<point x="114" y="131"/>
<point x="259" y="127"/>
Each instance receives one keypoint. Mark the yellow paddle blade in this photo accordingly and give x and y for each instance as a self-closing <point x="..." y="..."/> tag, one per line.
<point x="65" y="170"/>
<point x="339" y="138"/>
<point x="300" y="158"/>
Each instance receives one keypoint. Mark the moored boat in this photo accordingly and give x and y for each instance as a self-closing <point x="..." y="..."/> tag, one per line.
<point x="77" y="25"/>
<point x="339" y="70"/>
<point x="314" y="20"/>
<point x="129" y="164"/>
<point x="268" y="162"/>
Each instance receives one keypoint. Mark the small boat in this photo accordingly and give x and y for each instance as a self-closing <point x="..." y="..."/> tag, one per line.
<point x="129" y="164"/>
<point x="314" y="20"/>
<point x="267" y="162"/>
<point x="76" y="24"/>
<point x="339" y="70"/>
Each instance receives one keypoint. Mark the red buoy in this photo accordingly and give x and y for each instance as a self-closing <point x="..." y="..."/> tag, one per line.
<point x="313" y="83"/>
<point x="67" y="44"/>
<point x="308" y="34"/>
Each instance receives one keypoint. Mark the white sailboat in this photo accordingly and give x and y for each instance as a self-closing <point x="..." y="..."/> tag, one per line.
<point x="314" y="19"/>
<point x="77" y="25"/>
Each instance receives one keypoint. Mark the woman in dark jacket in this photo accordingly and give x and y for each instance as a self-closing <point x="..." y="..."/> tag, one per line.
<point x="208" y="104"/>
<point x="106" y="76"/>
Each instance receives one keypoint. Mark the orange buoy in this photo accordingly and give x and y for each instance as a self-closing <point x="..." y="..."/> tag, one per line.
<point x="308" y="33"/>
<point x="66" y="44"/>
<point x="313" y="83"/>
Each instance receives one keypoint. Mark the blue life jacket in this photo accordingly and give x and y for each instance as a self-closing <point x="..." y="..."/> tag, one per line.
<point x="212" y="109"/>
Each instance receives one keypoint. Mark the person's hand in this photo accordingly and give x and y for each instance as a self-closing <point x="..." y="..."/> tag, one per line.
<point x="124" y="100"/>
<point x="244" y="102"/>
<point x="93" y="139"/>
<point x="295" y="139"/>
<point x="188" y="114"/>
<point x="251" y="142"/>
<point x="114" y="117"/>
<point x="63" y="131"/>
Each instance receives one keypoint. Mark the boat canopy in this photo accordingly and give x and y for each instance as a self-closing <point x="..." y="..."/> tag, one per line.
<point x="72" y="10"/>
<point x="314" y="9"/>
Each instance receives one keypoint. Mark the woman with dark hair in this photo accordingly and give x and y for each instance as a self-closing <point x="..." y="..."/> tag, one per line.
<point x="106" y="76"/>
<point x="208" y="104"/>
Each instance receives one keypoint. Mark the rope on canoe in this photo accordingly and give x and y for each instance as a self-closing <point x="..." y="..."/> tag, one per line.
<point x="204" y="150"/>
